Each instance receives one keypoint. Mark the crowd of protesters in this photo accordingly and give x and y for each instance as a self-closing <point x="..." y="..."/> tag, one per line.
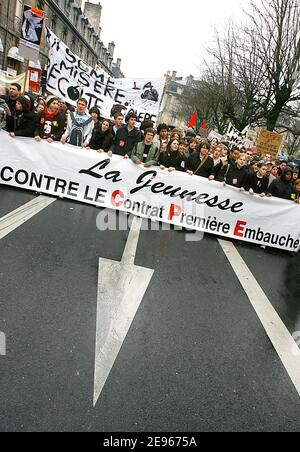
<point x="51" y="119"/>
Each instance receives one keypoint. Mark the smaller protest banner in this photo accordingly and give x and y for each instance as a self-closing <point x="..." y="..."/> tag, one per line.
<point x="269" y="143"/>
<point x="31" y="32"/>
<point x="216" y="135"/>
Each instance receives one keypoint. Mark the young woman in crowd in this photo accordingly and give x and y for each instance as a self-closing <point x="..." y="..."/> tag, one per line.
<point x="235" y="174"/>
<point x="218" y="162"/>
<point x="41" y="105"/>
<point x="95" y="114"/>
<point x="182" y="147"/>
<point x="214" y="143"/>
<point x="23" y="122"/>
<point x="200" y="163"/>
<point x="258" y="182"/>
<point x="191" y="147"/>
<point x="102" y="138"/>
<point x="172" y="158"/>
<point x="49" y="123"/>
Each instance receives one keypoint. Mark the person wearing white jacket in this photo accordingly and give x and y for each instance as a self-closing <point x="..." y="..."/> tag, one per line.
<point x="80" y="126"/>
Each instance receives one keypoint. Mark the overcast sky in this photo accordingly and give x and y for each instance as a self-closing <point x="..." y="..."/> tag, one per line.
<point x="155" y="36"/>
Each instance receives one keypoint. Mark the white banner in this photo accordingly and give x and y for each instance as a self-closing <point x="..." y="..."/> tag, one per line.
<point x="70" y="78"/>
<point x="175" y="198"/>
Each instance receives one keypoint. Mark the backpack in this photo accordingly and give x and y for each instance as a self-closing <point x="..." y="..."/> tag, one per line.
<point x="77" y="131"/>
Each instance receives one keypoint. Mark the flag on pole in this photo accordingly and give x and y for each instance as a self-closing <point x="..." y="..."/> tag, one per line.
<point x="204" y="125"/>
<point x="193" y="120"/>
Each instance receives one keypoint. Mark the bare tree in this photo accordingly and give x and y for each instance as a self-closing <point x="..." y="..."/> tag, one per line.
<point x="275" y="27"/>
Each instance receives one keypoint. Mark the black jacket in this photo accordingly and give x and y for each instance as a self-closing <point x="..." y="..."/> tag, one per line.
<point x="206" y="170"/>
<point x="101" y="140"/>
<point x="125" y="141"/>
<point x="22" y="123"/>
<point x="49" y="126"/>
<point x="280" y="188"/>
<point x="234" y="176"/>
<point x="171" y="159"/>
<point x="258" y="185"/>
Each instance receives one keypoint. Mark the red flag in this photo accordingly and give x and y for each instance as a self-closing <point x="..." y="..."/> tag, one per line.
<point x="193" y="120"/>
<point x="204" y="125"/>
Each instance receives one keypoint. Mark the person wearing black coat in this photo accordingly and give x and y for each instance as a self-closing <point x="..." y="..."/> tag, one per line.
<point x="49" y="122"/>
<point x="200" y="163"/>
<point x="126" y="137"/>
<point x="258" y="182"/>
<point x="235" y="174"/>
<point x="10" y="100"/>
<point x="102" y="138"/>
<point x="22" y="124"/>
<point x="283" y="187"/>
<point x="171" y="158"/>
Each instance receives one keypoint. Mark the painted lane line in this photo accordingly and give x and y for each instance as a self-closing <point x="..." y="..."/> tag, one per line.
<point x="277" y="332"/>
<point x="121" y="289"/>
<point x="13" y="220"/>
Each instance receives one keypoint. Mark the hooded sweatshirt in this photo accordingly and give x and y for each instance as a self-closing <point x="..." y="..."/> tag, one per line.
<point x="23" y="122"/>
<point x="281" y="188"/>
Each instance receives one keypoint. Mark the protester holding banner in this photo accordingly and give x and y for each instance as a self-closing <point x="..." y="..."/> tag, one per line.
<point x="172" y="158"/>
<point x="258" y="182"/>
<point x="118" y="123"/>
<point x="235" y="174"/>
<point x="283" y="187"/>
<point x="146" y="151"/>
<point x="79" y="127"/>
<point x="102" y="138"/>
<point x="200" y="163"/>
<point x="49" y="123"/>
<point x="127" y="137"/>
<point x="22" y="124"/>
<point x="218" y="162"/>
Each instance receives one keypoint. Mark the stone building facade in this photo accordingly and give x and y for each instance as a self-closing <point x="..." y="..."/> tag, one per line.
<point x="79" y="29"/>
<point x="171" y="106"/>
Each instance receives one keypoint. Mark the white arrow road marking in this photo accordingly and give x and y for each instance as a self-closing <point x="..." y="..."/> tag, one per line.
<point x="19" y="216"/>
<point x="279" y="335"/>
<point x="121" y="288"/>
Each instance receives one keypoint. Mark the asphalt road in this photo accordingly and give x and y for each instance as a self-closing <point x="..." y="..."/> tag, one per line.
<point x="196" y="358"/>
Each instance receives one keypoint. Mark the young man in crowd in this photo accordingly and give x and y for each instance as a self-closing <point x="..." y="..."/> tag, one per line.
<point x="200" y="163"/>
<point x="79" y="127"/>
<point x="161" y="138"/>
<point x="127" y="137"/>
<point x="118" y="122"/>
<point x="11" y="100"/>
<point x="49" y="123"/>
<point x="146" y="152"/>
<point x="22" y="124"/>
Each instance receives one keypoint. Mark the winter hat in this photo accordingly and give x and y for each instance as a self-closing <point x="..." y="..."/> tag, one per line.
<point x="50" y="99"/>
